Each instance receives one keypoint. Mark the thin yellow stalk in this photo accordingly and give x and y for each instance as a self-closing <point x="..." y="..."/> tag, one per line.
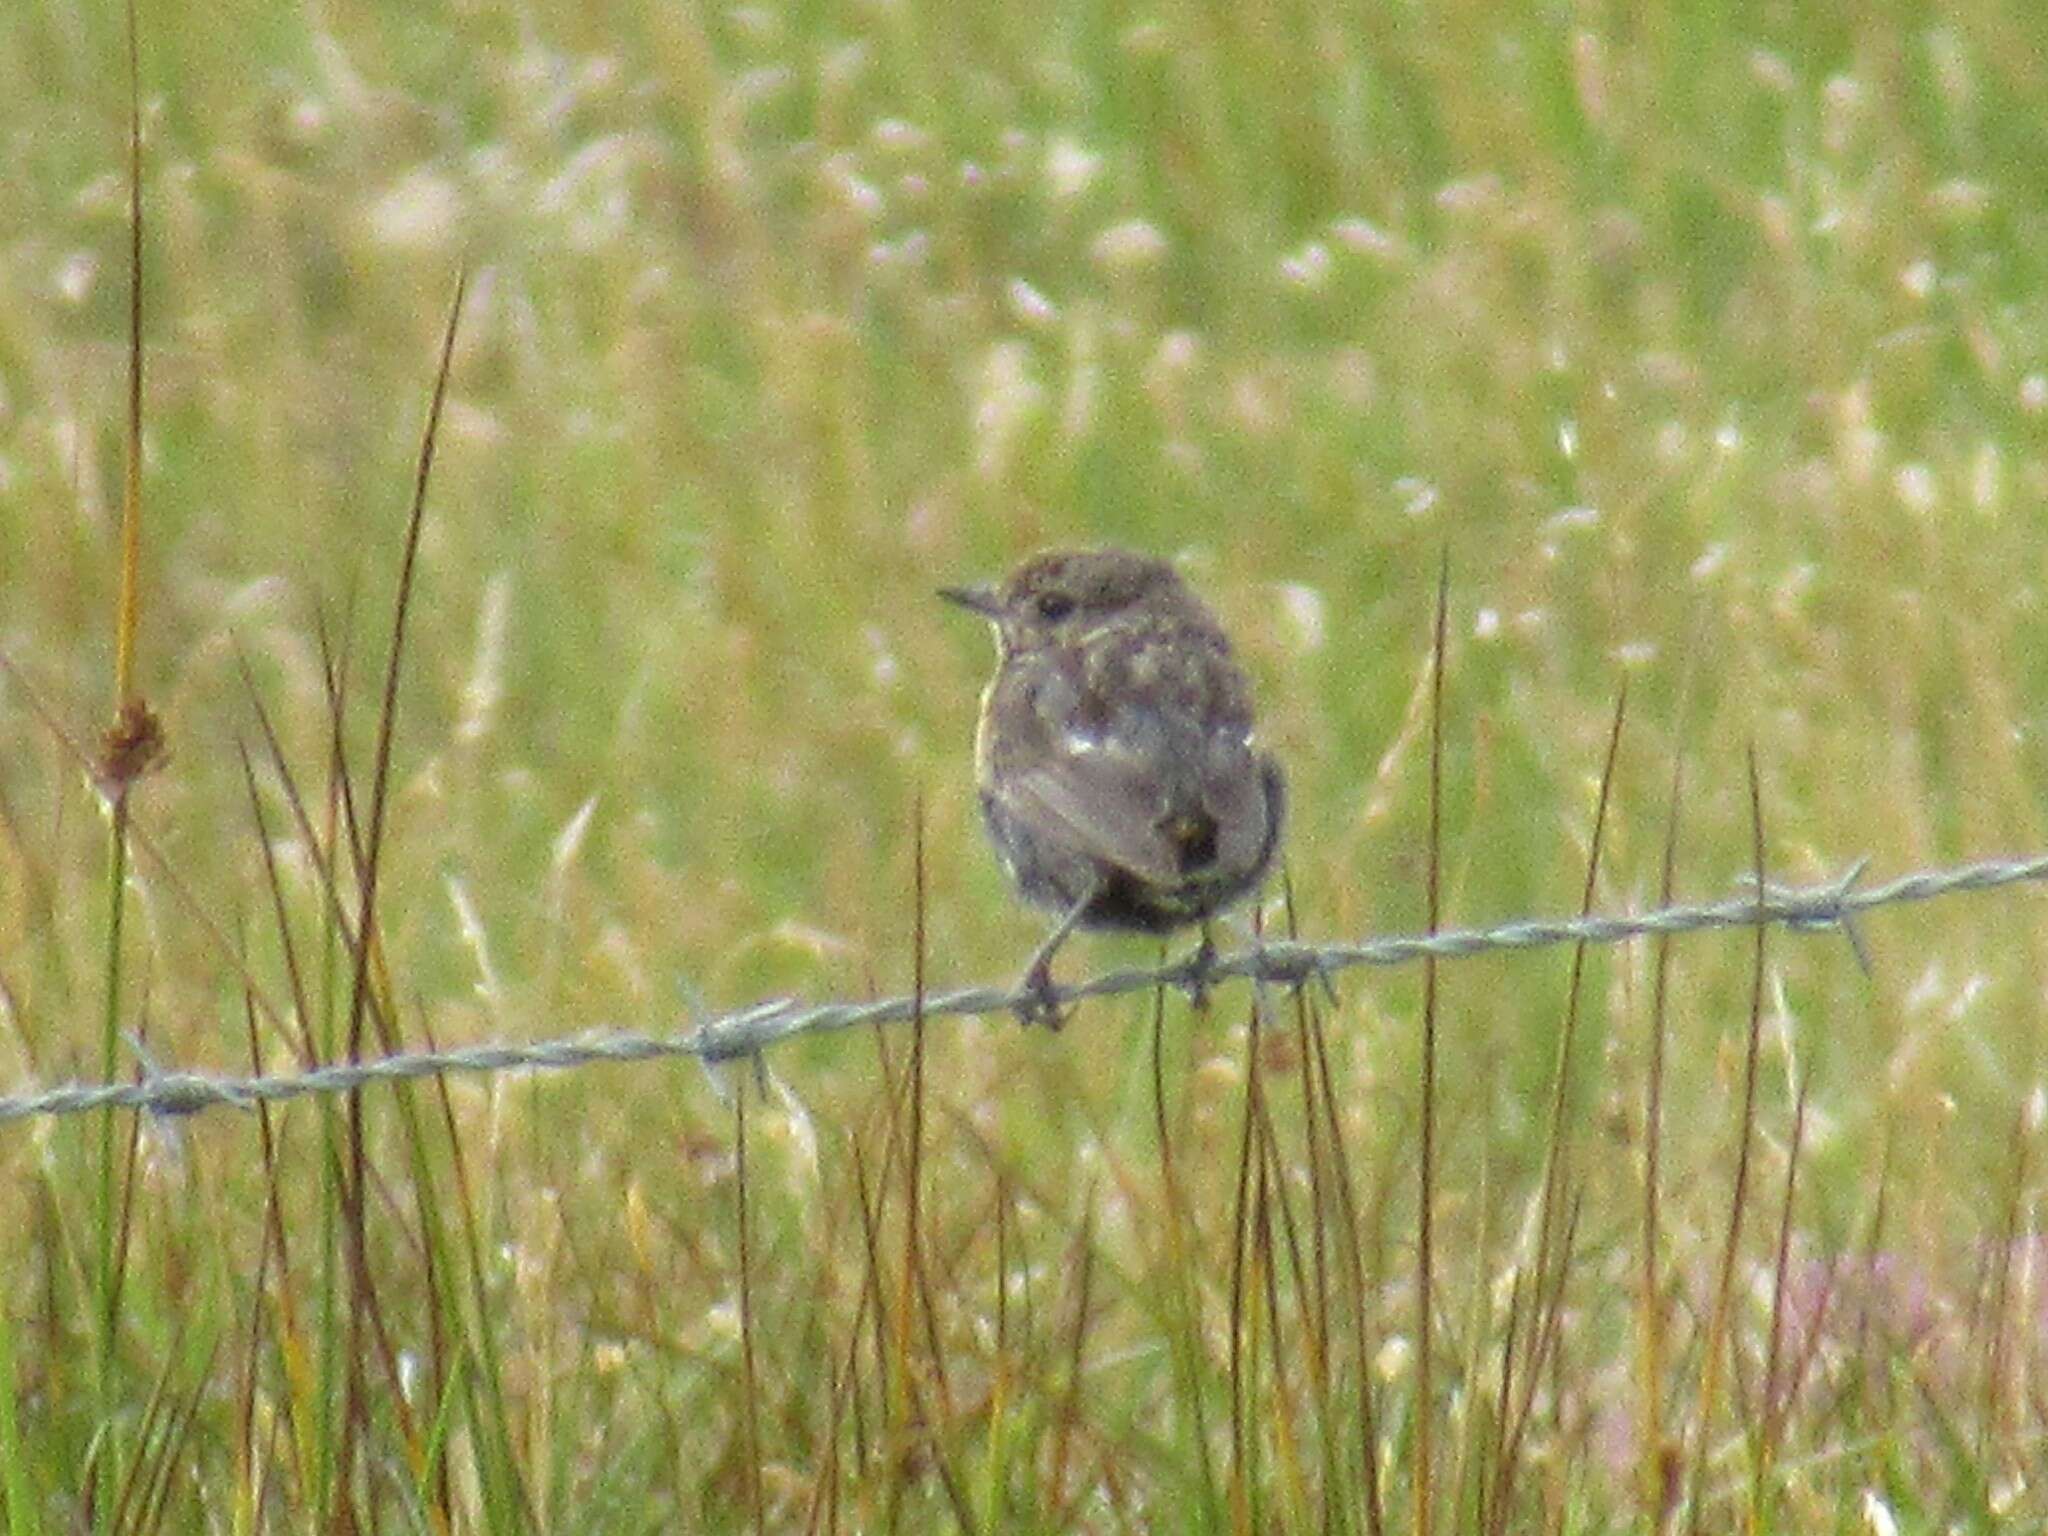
<point x="127" y="704"/>
<point x="1425" y="1241"/>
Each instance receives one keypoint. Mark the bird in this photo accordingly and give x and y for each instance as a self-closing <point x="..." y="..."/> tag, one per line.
<point x="1119" y="777"/>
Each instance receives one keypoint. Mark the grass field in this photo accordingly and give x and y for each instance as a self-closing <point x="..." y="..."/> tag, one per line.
<point x="1707" y="344"/>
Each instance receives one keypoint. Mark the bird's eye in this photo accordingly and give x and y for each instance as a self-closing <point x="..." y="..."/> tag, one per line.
<point x="1055" y="606"/>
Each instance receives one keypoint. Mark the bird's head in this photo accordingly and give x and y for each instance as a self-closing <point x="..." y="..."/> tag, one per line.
<point x="1058" y="596"/>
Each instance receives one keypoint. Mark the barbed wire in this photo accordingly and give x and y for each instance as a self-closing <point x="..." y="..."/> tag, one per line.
<point x="1832" y="906"/>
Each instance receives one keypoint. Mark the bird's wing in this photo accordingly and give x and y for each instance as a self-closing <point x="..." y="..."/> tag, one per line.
<point x="1101" y="798"/>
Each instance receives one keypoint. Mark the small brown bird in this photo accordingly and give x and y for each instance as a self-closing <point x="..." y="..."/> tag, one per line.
<point x="1114" y="754"/>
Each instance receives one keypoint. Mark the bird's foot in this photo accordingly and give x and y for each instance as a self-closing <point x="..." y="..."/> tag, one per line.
<point x="1038" y="999"/>
<point x="1196" y="972"/>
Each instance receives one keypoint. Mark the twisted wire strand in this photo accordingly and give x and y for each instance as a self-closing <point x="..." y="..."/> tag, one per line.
<point x="1832" y="906"/>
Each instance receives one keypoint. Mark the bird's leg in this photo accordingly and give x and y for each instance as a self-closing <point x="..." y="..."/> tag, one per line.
<point x="1039" y="1006"/>
<point x="1193" y="972"/>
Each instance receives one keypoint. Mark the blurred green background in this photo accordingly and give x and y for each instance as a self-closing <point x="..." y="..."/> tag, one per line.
<point x="1707" y="341"/>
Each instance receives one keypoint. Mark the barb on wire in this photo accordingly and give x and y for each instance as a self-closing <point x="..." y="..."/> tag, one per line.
<point x="1832" y="905"/>
<point x="1840" y="913"/>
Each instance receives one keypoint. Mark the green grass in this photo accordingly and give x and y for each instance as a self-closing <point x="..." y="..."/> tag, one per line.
<point x="1708" y="342"/>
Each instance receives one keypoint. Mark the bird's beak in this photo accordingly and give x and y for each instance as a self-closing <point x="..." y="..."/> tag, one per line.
<point x="978" y="599"/>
